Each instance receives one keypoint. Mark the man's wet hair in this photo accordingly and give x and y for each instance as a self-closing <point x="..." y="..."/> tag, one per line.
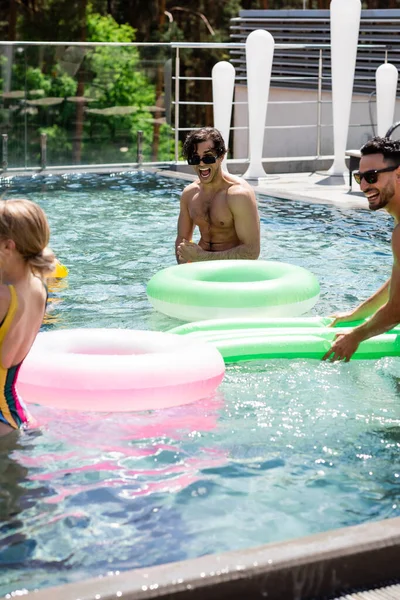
<point x="204" y="134"/>
<point x="383" y="145"/>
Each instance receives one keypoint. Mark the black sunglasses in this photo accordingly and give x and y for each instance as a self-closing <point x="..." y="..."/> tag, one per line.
<point x="207" y="159"/>
<point x="372" y="176"/>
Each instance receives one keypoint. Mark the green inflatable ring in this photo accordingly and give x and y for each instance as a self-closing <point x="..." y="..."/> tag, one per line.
<point x="251" y="339"/>
<point x="233" y="288"/>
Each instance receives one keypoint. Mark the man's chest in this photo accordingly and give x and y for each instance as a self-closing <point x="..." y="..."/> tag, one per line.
<point x="211" y="211"/>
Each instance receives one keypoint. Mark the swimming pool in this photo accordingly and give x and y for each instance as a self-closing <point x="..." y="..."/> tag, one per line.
<point x="285" y="448"/>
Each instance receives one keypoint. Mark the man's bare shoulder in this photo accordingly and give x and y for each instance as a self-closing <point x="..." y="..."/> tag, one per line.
<point x="396" y="246"/>
<point x="396" y="236"/>
<point x="237" y="180"/>
<point x="396" y="233"/>
<point x="190" y="189"/>
<point x="240" y="189"/>
<point x="188" y="192"/>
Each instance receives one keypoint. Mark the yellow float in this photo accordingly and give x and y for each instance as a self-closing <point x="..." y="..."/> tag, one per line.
<point x="59" y="272"/>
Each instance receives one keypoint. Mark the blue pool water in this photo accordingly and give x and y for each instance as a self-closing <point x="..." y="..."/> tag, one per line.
<point x="284" y="449"/>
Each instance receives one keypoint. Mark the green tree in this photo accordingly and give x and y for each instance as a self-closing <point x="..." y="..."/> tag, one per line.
<point x="123" y="90"/>
<point x="106" y="95"/>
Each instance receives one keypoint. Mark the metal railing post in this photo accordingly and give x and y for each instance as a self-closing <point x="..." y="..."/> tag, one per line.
<point x="4" y="155"/>
<point x="43" y="150"/>
<point x="139" y="159"/>
<point x="168" y="89"/>
<point x="177" y="81"/>
<point x="319" y="105"/>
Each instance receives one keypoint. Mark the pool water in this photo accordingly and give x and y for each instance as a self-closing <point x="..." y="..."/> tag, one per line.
<point x="284" y="449"/>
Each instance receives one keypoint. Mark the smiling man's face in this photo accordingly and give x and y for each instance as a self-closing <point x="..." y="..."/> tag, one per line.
<point x="206" y="172"/>
<point x="380" y="193"/>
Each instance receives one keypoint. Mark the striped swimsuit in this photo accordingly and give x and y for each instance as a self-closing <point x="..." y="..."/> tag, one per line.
<point x="12" y="409"/>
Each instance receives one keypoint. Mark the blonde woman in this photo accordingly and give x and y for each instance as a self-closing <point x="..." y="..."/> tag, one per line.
<point x="25" y="260"/>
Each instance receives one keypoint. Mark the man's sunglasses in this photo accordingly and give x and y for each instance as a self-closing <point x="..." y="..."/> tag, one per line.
<point x="372" y="176"/>
<point x="207" y="159"/>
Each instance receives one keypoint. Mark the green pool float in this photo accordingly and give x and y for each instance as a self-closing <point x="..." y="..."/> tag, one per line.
<point x="232" y="289"/>
<point x="307" y="337"/>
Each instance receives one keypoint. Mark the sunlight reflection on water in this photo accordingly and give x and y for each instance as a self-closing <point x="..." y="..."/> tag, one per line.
<point x="284" y="449"/>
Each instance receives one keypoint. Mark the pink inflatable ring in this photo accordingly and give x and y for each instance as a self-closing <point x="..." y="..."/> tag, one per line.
<point x="112" y="370"/>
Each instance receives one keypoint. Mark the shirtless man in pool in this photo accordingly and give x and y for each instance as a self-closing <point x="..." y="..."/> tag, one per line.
<point x="379" y="179"/>
<point x="223" y="206"/>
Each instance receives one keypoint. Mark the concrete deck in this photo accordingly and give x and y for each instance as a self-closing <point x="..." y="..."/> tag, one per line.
<point x="312" y="187"/>
<point x="317" y="187"/>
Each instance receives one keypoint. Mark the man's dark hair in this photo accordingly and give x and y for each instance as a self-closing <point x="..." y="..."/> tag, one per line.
<point x="197" y="136"/>
<point x="383" y="145"/>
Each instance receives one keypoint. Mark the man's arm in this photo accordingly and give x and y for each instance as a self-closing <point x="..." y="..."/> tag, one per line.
<point x="383" y="320"/>
<point x="365" y="309"/>
<point x="243" y="206"/>
<point x="185" y="223"/>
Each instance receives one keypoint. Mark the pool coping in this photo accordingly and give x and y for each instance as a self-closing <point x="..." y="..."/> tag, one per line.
<point x="314" y="188"/>
<point x="316" y="566"/>
<point x="311" y="187"/>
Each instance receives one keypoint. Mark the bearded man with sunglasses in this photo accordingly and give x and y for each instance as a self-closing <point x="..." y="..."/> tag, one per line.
<point x="379" y="179"/>
<point x="221" y="205"/>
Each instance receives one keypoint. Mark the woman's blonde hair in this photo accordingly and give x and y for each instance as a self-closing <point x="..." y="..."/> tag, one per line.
<point x="24" y="222"/>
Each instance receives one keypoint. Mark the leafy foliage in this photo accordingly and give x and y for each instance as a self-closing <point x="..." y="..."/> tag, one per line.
<point x="107" y="95"/>
<point x="119" y="80"/>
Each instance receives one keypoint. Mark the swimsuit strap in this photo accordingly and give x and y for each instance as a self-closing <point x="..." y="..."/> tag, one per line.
<point x="8" y="319"/>
<point x="11" y="410"/>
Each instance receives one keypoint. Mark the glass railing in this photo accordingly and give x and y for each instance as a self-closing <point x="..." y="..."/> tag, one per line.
<point x="70" y="104"/>
<point x="95" y="104"/>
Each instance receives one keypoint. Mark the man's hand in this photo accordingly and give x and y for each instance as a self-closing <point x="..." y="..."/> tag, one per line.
<point x="343" y="347"/>
<point x="346" y="317"/>
<point x="190" y="252"/>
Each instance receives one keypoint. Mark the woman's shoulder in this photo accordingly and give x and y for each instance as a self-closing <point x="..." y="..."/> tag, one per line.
<point x="5" y="293"/>
<point x="5" y="299"/>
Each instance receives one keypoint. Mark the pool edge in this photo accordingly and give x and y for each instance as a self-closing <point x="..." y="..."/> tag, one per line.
<point x="320" y="565"/>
